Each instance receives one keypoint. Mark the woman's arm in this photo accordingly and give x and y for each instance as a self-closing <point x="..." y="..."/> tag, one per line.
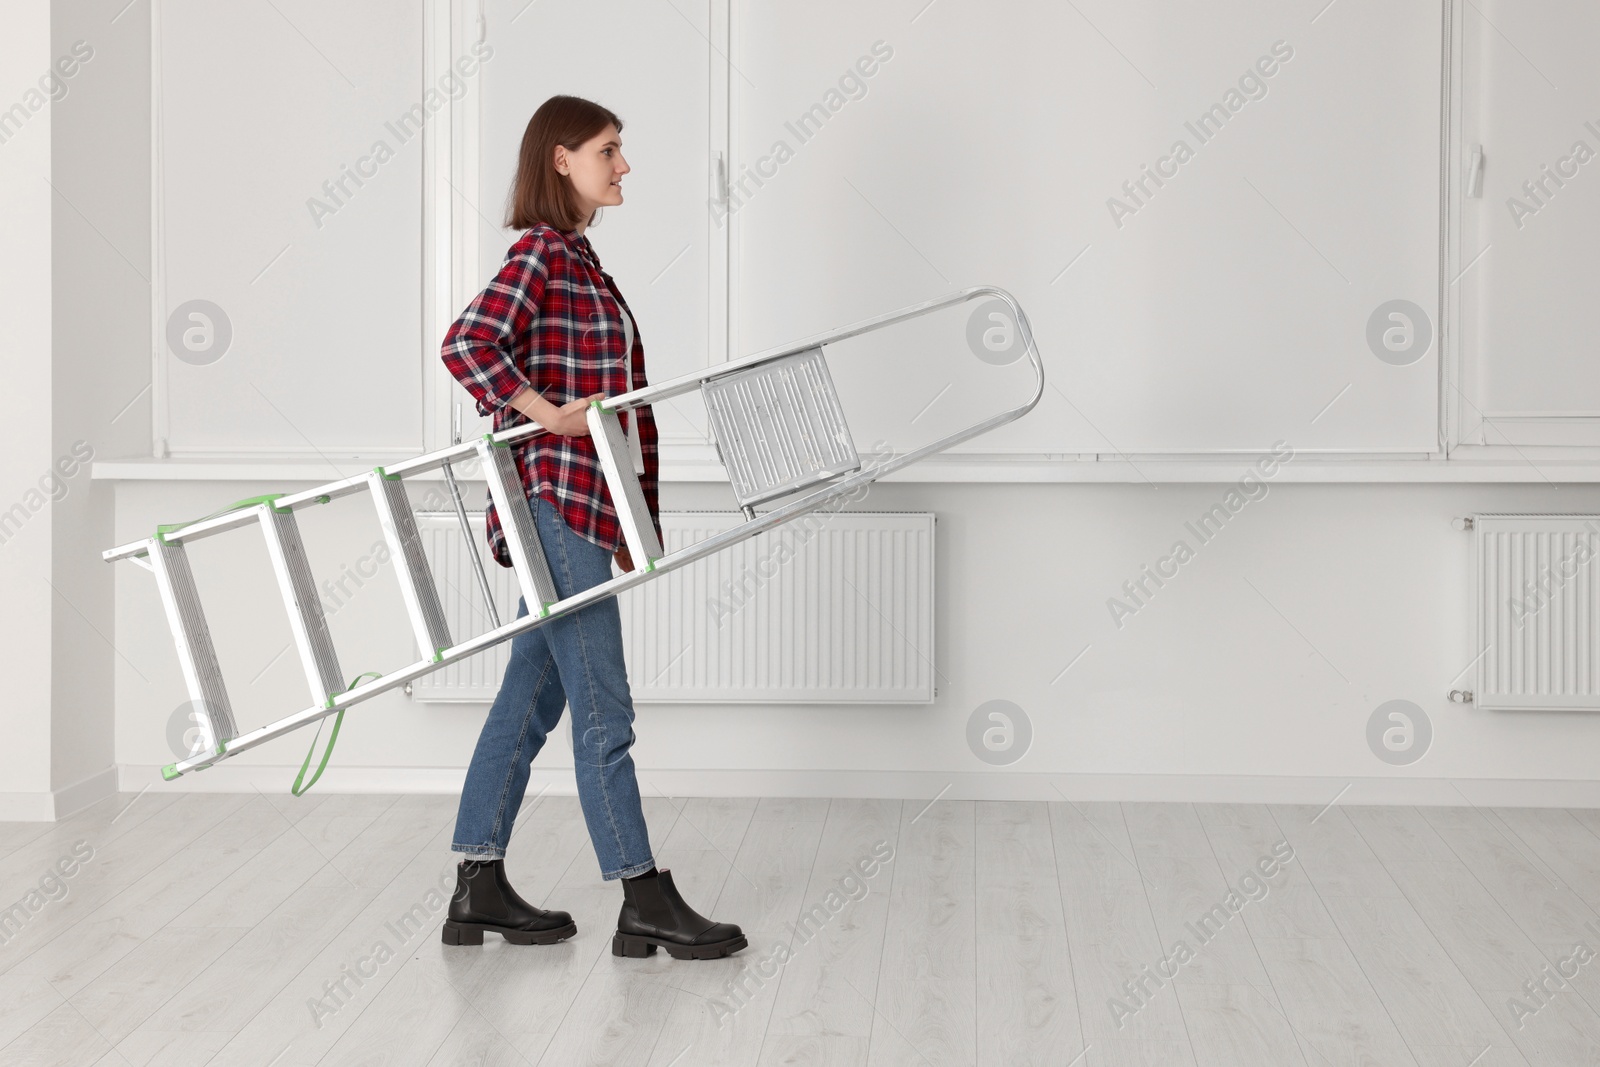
<point x="478" y="348"/>
<point x="569" y="420"/>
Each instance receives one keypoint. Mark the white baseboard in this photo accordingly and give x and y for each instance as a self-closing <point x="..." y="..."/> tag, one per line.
<point x="59" y="804"/>
<point x="95" y="788"/>
<point x="235" y="777"/>
<point x="963" y="785"/>
<point x="27" y="807"/>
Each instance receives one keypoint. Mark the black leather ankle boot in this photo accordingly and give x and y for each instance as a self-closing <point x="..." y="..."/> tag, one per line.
<point x="654" y="914"/>
<point x="484" y="900"/>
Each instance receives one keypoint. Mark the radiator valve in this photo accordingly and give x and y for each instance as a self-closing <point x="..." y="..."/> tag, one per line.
<point x="1463" y="522"/>
<point x="1461" y="696"/>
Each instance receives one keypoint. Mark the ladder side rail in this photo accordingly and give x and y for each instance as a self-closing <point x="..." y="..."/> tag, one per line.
<point x="321" y="494"/>
<point x="621" y="402"/>
<point x="688" y="383"/>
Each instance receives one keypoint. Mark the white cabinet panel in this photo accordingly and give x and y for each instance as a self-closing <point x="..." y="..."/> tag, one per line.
<point x="650" y="63"/>
<point x="290" y="204"/>
<point x="1226" y="307"/>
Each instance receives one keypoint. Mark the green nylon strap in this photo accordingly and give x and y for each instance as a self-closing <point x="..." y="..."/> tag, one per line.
<point x="169" y="527"/>
<point x="299" y="790"/>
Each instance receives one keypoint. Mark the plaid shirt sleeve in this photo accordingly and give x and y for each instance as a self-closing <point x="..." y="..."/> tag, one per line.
<point x="479" y="348"/>
<point x="547" y="320"/>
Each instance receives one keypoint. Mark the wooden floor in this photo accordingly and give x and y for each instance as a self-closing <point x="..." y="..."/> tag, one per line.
<point x="223" y="929"/>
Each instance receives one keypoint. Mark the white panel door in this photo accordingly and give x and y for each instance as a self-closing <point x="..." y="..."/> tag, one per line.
<point x="1221" y="307"/>
<point x="290" y="214"/>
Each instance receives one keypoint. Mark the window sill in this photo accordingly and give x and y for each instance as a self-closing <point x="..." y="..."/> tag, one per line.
<point x="699" y="464"/>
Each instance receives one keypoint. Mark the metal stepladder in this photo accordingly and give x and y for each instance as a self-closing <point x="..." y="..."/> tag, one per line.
<point x="778" y="428"/>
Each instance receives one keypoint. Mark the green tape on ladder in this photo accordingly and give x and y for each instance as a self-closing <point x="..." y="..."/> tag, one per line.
<point x="171" y="527"/>
<point x="266" y="498"/>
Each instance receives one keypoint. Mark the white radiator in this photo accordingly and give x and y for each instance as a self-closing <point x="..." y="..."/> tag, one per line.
<point x="832" y="608"/>
<point x="1538" y="595"/>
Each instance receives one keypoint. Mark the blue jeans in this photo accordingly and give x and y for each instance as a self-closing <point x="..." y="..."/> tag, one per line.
<point x="577" y="657"/>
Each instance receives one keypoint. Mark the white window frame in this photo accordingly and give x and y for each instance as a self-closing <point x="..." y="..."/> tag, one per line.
<point x="451" y="245"/>
<point x="1469" y="432"/>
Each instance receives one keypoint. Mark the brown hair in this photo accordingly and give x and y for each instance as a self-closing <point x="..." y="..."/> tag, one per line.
<point x="541" y="193"/>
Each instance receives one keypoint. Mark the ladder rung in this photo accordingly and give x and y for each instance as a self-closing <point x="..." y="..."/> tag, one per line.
<point x="633" y="513"/>
<point x="299" y="588"/>
<point x="417" y="587"/>
<point x="534" y="580"/>
<point x="779" y="427"/>
<point x="197" y="659"/>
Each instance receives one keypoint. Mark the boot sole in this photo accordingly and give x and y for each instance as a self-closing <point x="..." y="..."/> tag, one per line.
<point x="455" y="933"/>
<point x="641" y="945"/>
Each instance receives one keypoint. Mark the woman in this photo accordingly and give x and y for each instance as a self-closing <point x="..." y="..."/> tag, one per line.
<point x="549" y="334"/>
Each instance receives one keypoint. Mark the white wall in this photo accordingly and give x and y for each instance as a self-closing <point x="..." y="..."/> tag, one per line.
<point x="1250" y="675"/>
<point x="99" y="404"/>
<point x="25" y="432"/>
<point x="73" y="294"/>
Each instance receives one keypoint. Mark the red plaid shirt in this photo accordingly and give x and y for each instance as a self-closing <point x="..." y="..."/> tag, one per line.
<point x="549" y="319"/>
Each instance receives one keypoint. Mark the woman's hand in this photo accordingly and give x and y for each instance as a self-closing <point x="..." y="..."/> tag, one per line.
<point x="568" y="420"/>
<point x="624" y="560"/>
<point x="571" y="419"/>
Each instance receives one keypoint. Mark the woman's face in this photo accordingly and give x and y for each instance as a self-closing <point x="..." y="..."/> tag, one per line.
<point x="596" y="168"/>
